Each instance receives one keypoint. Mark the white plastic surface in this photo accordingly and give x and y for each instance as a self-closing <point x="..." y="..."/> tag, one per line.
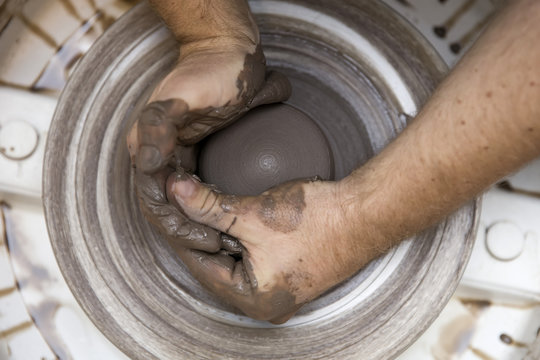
<point x="505" y="241"/>
<point x="18" y="139"/>
<point x="24" y="121"/>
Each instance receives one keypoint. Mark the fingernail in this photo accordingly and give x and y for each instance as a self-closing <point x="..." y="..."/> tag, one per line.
<point x="149" y="159"/>
<point x="184" y="230"/>
<point x="184" y="187"/>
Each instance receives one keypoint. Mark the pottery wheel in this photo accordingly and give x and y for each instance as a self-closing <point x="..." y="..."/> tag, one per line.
<point x="356" y="69"/>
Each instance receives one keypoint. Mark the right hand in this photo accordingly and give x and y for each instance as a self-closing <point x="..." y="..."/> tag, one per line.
<point x="295" y="241"/>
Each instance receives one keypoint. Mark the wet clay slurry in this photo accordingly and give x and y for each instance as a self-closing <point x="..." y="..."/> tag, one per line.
<point x="270" y="145"/>
<point x="252" y="76"/>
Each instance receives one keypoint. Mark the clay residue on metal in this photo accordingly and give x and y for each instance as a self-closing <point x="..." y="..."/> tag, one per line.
<point x="31" y="278"/>
<point x="454" y="337"/>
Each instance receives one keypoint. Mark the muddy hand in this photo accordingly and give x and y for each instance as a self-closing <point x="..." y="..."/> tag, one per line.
<point x="209" y="88"/>
<point x="205" y="92"/>
<point x="179" y="231"/>
<point x="289" y="256"/>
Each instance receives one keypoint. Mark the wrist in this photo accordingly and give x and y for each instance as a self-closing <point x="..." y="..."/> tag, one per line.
<point x="218" y="44"/>
<point x="231" y="30"/>
<point x="368" y="228"/>
<point x="221" y="22"/>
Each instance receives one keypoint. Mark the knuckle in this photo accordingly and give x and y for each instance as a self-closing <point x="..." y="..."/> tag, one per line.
<point x="197" y="234"/>
<point x="208" y="207"/>
<point x="152" y="115"/>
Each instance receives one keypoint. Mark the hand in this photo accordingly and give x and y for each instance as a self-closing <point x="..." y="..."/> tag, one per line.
<point x="292" y="240"/>
<point x="211" y="86"/>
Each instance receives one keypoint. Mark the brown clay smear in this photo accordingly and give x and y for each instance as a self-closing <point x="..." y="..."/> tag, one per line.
<point x="251" y="78"/>
<point x="282" y="209"/>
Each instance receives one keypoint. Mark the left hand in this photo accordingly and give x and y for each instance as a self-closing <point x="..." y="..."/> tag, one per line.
<point x="211" y="86"/>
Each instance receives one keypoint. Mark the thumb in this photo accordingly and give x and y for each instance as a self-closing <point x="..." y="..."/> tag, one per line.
<point x="277" y="88"/>
<point x="226" y="213"/>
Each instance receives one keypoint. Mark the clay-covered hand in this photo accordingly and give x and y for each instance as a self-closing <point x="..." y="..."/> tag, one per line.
<point x="292" y="245"/>
<point x="212" y="85"/>
<point x="179" y="231"/>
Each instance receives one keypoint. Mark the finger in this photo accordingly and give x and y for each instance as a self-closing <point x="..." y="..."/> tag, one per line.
<point x="182" y="233"/>
<point x="224" y="277"/>
<point x="229" y="214"/>
<point x="277" y="88"/>
<point x="200" y="127"/>
<point x="157" y="133"/>
<point x="219" y="273"/>
<point x="198" y="124"/>
<point x="175" y="226"/>
<point x="232" y="282"/>
<point x="231" y="244"/>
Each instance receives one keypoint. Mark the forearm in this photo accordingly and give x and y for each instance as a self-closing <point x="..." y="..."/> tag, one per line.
<point x="482" y="123"/>
<point x="196" y="21"/>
